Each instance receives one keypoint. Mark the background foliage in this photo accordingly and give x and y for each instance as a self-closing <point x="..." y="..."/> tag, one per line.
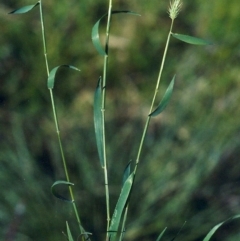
<point x="190" y="163"/>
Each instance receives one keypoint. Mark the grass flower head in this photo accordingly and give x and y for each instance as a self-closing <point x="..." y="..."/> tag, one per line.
<point x="174" y="8"/>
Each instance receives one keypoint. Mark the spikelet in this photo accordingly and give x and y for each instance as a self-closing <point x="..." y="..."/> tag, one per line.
<point x="174" y="8"/>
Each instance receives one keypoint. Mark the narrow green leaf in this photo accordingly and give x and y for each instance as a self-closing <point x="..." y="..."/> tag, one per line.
<point x="70" y="238"/>
<point x="24" y="9"/>
<point x="165" y="99"/>
<point x="161" y="234"/>
<point x="215" y="228"/>
<point x="126" y="172"/>
<point x="190" y="39"/>
<point x="52" y="74"/>
<point x="95" y="32"/>
<point x="56" y="194"/>
<point x="121" y="203"/>
<point x="98" y="121"/>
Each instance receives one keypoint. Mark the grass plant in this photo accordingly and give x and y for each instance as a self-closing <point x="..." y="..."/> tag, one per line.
<point x="115" y="222"/>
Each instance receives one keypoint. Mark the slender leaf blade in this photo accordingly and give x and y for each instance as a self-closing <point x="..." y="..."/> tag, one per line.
<point x="24" y="9"/>
<point x="52" y="74"/>
<point x="95" y="32"/>
<point x="98" y="120"/>
<point x="70" y="238"/>
<point x="121" y="203"/>
<point x="190" y="39"/>
<point x="166" y="98"/>
<point x="161" y="234"/>
<point x="216" y="227"/>
<point x="56" y="194"/>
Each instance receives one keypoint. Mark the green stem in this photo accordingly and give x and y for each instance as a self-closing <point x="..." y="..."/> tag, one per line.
<point x="64" y="160"/>
<point x="150" y="110"/>
<point x="43" y="37"/>
<point x="57" y="125"/>
<point x="153" y="99"/>
<point x="105" y="66"/>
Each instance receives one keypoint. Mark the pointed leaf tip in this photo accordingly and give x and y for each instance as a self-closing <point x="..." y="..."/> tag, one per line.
<point x="24" y="9"/>
<point x="191" y="40"/>
<point x="70" y="238"/>
<point x="127" y="172"/>
<point x="166" y="98"/>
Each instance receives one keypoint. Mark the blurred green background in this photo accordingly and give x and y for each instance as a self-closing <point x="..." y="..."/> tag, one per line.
<point x="189" y="170"/>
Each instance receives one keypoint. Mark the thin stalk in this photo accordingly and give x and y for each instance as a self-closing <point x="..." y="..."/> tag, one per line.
<point x="154" y="98"/>
<point x="64" y="161"/>
<point x="57" y="125"/>
<point x="105" y="66"/>
<point x="43" y="37"/>
<point x="150" y="111"/>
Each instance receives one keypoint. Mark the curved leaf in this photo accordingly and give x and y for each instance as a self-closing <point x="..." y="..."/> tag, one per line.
<point x="161" y="234"/>
<point x="98" y="121"/>
<point x="24" y="9"/>
<point x="56" y="194"/>
<point x="121" y="203"/>
<point x="52" y="74"/>
<point x="165" y="99"/>
<point x="190" y="39"/>
<point x="95" y="32"/>
<point x="95" y="37"/>
<point x="215" y="228"/>
<point x="126" y="172"/>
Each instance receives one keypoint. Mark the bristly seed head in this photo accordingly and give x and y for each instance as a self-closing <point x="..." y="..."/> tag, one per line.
<point x="174" y="8"/>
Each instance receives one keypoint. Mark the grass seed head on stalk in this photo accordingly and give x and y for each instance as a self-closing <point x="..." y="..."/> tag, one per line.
<point x="174" y="8"/>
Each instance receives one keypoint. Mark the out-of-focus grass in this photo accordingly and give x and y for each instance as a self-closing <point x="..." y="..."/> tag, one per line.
<point x="189" y="168"/>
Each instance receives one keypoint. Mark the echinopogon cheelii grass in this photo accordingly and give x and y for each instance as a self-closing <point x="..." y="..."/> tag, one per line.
<point x="116" y="222"/>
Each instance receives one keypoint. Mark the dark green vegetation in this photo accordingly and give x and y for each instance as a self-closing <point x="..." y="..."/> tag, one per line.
<point x="189" y="169"/>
